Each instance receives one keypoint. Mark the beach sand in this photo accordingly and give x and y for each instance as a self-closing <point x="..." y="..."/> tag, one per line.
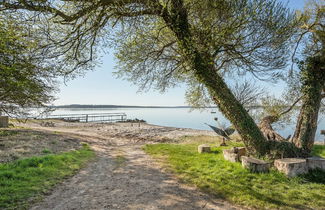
<point x="123" y="176"/>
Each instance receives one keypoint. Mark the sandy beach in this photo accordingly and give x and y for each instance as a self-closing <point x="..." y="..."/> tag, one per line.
<point x="118" y="133"/>
<point x="123" y="176"/>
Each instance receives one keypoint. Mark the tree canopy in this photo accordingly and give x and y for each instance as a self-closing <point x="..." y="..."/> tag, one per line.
<point x="160" y="43"/>
<point x="25" y="81"/>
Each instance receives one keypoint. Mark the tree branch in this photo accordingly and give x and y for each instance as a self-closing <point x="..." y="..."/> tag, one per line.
<point x="291" y="107"/>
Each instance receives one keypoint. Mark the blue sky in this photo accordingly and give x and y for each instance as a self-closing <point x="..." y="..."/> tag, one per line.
<point x="101" y="87"/>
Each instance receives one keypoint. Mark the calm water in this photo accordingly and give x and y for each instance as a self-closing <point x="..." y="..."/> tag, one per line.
<point x="181" y="117"/>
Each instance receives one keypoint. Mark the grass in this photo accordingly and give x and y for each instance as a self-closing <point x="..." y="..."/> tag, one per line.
<point x="8" y="132"/>
<point x="28" y="179"/>
<point x="46" y="151"/>
<point x="319" y="150"/>
<point x="211" y="173"/>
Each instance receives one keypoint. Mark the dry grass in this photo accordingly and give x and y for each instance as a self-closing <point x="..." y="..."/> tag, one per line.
<point x="21" y="143"/>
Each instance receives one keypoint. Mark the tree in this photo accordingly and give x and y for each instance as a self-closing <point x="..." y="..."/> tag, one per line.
<point x="162" y="43"/>
<point x="25" y="81"/>
<point x="312" y="74"/>
<point x="308" y="81"/>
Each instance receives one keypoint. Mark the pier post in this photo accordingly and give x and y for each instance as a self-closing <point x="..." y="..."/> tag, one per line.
<point x="86" y="118"/>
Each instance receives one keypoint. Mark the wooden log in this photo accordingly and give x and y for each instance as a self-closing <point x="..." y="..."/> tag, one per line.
<point x="234" y="154"/>
<point x="255" y="165"/>
<point x="229" y="155"/>
<point x="241" y="151"/>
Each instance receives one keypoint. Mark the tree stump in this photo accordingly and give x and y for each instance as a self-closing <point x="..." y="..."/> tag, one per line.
<point x="234" y="154"/>
<point x="204" y="148"/>
<point x="4" y="121"/>
<point x="255" y="165"/>
<point x="315" y="162"/>
<point x="291" y="166"/>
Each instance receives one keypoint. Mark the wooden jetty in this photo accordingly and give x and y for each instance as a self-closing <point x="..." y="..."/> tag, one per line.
<point x="96" y="117"/>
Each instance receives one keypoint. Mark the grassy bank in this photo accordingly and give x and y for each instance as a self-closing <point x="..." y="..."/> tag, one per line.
<point x="211" y="173"/>
<point x="24" y="180"/>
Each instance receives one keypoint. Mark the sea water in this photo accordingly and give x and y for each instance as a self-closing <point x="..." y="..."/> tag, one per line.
<point x="184" y="118"/>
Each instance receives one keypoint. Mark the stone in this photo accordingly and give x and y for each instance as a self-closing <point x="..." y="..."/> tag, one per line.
<point x="291" y="166"/>
<point x="255" y="165"/>
<point x="4" y="121"/>
<point x="315" y="162"/>
<point x="204" y="148"/>
<point x="234" y="154"/>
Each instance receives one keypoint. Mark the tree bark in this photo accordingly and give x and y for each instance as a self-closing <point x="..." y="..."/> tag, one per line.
<point x="267" y="129"/>
<point x="313" y="79"/>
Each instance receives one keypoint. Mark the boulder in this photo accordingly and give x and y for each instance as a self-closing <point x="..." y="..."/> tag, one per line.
<point x="204" y="148"/>
<point x="291" y="166"/>
<point x="234" y="154"/>
<point x="4" y="121"/>
<point x="315" y="162"/>
<point x="255" y="165"/>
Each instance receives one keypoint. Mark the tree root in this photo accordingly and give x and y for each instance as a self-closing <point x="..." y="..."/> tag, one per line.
<point x="285" y="149"/>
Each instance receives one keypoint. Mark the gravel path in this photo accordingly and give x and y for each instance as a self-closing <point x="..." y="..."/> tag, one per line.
<point x="124" y="177"/>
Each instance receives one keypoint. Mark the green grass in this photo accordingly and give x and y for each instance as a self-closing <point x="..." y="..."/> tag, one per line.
<point x="28" y="179"/>
<point x="46" y="151"/>
<point x="211" y="173"/>
<point x="319" y="150"/>
<point x="8" y="132"/>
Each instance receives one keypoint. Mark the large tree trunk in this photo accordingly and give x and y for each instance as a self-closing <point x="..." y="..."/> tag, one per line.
<point x="267" y="129"/>
<point x="313" y="79"/>
<point x="203" y="65"/>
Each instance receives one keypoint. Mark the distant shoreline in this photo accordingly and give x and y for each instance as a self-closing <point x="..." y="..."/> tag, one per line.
<point x="80" y="106"/>
<point x="87" y="106"/>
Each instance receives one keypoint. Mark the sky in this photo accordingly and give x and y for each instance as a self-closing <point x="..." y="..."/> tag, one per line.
<point x="101" y="87"/>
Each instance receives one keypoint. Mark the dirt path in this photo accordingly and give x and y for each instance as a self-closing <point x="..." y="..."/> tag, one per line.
<point x="124" y="177"/>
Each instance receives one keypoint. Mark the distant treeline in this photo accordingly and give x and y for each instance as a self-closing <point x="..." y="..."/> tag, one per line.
<point x="85" y="106"/>
<point x="89" y="106"/>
